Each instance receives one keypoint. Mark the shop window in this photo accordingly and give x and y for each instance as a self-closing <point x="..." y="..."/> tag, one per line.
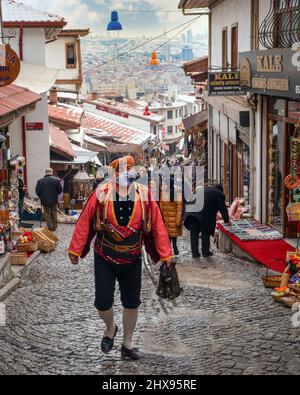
<point x="234" y="48"/>
<point x="225" y="48"/>
<point x="277" y="106"/>
<point x="276" y="168"/>
<point x="170" y="129"/>
<point x="71" y="56"/>
<point x="170" y="114"/>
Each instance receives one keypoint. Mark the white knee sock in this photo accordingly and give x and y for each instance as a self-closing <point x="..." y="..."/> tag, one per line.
<point x="129" y="323"/>
<point x="108" y="318"/>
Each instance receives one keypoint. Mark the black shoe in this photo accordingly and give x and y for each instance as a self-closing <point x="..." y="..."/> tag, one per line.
<point x="196" y="256"/>
<point x="133" y="354"/>
<point x="108" y="343"/>
<point x="210" y="254"/>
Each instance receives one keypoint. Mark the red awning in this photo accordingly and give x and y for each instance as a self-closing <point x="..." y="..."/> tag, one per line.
<point x="60" y="143"/>
<point x="13" y="98"/>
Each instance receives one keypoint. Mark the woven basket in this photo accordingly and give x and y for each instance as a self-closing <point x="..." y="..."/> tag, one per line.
<point x="289" y="301"/>
<point x="18" y="258"/>
<point x="295" y="288"/>
<point x="46" y="246"/>
<point x="277" y="298"/>
<point x="271" y="281"/>
<point x="28" y="247"/>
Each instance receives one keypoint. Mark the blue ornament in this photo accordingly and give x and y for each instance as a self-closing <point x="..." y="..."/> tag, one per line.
<point x="114" y="24"/>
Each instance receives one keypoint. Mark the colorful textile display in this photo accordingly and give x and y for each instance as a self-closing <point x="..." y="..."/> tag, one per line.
<point x="250" y="230"/>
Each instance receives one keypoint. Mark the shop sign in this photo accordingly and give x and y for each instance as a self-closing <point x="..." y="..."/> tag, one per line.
<point x="10" y="65"/>
<point x="34" y="126"/>
<point x="271" y="72"/>
<point x="112" y="111"/>
<point x="224" y="84"/>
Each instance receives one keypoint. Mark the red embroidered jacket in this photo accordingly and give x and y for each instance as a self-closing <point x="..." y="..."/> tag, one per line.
<point x="157" y="245"/>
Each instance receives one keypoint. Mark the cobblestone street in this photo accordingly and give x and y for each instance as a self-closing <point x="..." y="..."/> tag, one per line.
<point x="225" y="323"/>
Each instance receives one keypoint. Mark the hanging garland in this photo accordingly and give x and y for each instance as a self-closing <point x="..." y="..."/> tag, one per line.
<point x="292" y="181"/>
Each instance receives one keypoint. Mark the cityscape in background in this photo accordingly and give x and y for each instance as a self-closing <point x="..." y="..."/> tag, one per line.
<point x="130" y="76"/>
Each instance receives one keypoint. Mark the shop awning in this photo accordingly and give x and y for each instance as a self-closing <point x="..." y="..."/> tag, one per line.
<point x="83" y="155"/>
<point x="60" y="143"/>
<point x="82" y="138"/>
<point x="198" y="120"/>
<point x="39" y="79"/>
<point x="199" y="65"/>
<point x="15" y="101"/>
<point x="235" y="108"/>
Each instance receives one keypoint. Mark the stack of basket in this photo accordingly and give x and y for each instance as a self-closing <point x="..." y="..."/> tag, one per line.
<point x="284" y="291"/>
<point x="47" y="240"/>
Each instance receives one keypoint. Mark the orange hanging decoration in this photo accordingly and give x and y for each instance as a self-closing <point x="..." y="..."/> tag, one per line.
<point x="154" y="61"/>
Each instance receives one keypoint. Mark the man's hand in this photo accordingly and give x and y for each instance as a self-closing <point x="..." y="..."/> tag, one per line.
<point x="229" y="223"/>
<point x="168" y="263"/>
<point x="74" y="259"/>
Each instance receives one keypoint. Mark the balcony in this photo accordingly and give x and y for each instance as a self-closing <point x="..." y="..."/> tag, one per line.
<point x="281" y="27"/>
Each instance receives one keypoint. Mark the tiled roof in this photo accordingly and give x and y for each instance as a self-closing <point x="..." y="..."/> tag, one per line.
<point x="65" y="114"/>
<point x="17" y="12"/>
<point x="14" y="98"/>
<point x="97" y="125"/>
<point x="129" y="107"/>
<point x="60" y="142"/>
<point x="69" y="30"/>
<point x="122" y="133"/>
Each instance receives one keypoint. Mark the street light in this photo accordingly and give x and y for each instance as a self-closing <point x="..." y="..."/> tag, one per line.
<point x="115" y="26"/>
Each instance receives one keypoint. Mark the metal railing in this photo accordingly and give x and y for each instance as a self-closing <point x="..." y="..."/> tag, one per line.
<point x="281" y="27"/>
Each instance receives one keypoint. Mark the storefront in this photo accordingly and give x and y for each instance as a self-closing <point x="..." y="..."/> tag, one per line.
<point x="196" y="139"/>
<point x="283" y="159"/>
<point x="274" y="76"/>
<point x="229" y="145"/>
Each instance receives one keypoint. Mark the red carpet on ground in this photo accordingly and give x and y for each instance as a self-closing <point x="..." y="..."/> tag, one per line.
<point x="271" y="253"/>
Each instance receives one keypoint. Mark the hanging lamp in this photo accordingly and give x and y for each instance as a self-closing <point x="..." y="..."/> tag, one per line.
<point x="114" y="24"/>
<point x="154" y="61"/>
<point x="147" y="112"/>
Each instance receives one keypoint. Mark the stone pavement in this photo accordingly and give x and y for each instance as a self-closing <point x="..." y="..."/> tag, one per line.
<point x="224" y="323"/>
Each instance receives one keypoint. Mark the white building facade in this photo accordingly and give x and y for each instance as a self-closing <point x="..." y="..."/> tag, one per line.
<point x="29" y="31"/>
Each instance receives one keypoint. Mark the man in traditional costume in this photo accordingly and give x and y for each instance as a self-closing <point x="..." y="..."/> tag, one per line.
<point x="123" y="215"/>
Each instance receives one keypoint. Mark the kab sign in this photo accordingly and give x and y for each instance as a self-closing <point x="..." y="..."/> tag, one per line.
<point x="224" y="84"/>
<point x="10" y="65"/>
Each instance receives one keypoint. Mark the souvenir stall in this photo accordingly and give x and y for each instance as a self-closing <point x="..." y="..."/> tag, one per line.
<point x="286" y="288"/>
<point x="82" y="187"/>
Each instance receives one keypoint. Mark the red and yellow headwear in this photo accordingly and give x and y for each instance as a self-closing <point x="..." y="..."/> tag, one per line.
<point x="123" y="164"/>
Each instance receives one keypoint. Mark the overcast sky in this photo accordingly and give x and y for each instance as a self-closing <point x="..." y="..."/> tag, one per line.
<point x="96" y="14"/>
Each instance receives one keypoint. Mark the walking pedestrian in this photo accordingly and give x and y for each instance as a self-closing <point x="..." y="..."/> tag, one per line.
<point x="205" y="221"/>
<point x="172" y="208"/>
<point x="22" y="193"/>
<point x="48" y="189"/>
<point x="124" y="216"/>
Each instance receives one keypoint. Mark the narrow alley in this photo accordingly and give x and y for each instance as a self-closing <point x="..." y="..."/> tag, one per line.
<point x="225" y="322"/>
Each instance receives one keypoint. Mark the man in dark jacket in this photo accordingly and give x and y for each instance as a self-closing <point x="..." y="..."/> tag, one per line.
<point x="48" y="189"/>
<point x="205" y="221"/>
